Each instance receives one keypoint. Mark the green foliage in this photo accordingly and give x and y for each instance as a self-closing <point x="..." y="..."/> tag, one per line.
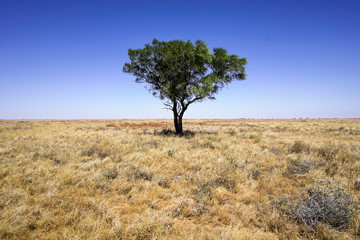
<point x="182" y="73"/>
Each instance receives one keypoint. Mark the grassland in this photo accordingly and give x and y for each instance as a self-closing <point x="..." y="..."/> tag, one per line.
<point x="130" y="179"/>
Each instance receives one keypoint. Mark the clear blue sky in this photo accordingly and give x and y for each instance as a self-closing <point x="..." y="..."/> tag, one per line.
<point x="63" y="59"/>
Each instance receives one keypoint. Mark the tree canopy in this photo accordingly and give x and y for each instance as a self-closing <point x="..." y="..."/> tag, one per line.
<point x="182" y="73"/>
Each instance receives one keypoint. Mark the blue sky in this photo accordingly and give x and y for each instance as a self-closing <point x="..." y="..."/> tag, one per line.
<point x="63" y="59"/>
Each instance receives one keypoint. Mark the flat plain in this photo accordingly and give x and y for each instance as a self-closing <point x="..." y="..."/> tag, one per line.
<point x="135" y="179"/>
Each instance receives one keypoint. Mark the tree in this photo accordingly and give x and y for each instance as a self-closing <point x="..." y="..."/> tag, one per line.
<point x="182" y="73"/>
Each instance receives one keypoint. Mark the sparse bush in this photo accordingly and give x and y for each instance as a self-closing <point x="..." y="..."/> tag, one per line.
<point x="300" y="168"/>
<point x="299" y="146"/>
<point x="324" y="202"/>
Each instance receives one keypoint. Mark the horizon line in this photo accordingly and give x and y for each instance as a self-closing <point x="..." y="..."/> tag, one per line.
<point x="115" y="119"/>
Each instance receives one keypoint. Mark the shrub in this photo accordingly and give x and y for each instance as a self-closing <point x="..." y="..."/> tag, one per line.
<point x="300" y="168"/>
<point x="324" y="202"/>
<point x="299" y="146"/>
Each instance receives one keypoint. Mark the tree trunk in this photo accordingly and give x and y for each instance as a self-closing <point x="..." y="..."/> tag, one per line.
<point x="178" y="123"/>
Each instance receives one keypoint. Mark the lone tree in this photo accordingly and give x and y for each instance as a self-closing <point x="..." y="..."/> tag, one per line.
<point x="182" y="73"/>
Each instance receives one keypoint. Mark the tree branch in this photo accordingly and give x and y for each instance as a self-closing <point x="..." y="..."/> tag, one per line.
<point x="192" y="101"/>
<point x="168" y="105"/>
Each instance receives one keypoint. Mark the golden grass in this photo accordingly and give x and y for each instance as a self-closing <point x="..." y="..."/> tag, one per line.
<point x="125" y="179"/>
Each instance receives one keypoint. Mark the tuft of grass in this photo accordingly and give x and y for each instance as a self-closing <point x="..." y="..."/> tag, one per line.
<point x="328" y="151"/>
<point x="110" y="173"/>
<point x="136" y="174"/>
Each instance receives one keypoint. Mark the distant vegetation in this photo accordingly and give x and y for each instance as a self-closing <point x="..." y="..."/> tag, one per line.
<point x="223" y="179"/>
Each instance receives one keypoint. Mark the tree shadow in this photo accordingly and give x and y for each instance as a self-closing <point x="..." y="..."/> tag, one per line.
<point x="187" y="133"/>
<point x="171" y="133"/>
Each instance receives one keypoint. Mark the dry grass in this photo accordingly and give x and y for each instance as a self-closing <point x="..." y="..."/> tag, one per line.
<point x="129" y="179"/>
